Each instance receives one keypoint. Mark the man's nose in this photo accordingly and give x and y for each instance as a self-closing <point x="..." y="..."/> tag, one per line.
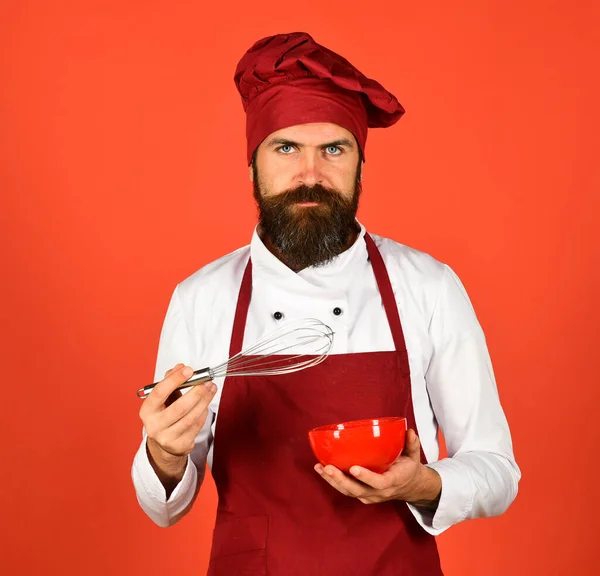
<point x="310" y="169"/>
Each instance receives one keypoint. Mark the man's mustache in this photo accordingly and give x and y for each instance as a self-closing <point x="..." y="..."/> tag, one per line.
<point x="303" y="193"/>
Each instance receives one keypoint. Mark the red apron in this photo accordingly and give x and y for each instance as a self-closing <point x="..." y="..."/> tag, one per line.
<point x="276" y="515"/>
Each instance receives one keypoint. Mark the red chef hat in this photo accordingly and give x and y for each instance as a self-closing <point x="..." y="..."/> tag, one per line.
<point x="289" y="79"/>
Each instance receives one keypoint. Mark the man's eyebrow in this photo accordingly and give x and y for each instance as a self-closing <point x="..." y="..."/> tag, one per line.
<point x="282" y="142"/>
<point x="340" y="142"/>
<point x="285" y="142"/>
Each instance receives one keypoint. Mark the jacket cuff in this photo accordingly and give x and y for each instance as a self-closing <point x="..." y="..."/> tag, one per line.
<point x="151" y="493"/>
<point x="456" y="499"/>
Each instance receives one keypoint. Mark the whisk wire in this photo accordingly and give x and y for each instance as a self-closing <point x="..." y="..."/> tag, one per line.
<point x="263" y="367"/>
<point x="268" y="345"/>
<point x="278" y="369"/>
<point x="267" y="356"/>
<point x="243" y="359"/>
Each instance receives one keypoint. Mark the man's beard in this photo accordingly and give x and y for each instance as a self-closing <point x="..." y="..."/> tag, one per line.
<point x="308" y="235"/>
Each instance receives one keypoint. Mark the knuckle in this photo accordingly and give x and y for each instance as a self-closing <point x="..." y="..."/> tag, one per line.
<point x="182" y="446"/>
<point x="146" y="409"/>
<point x="162" y="438"/>
<point x="150" y="424"/>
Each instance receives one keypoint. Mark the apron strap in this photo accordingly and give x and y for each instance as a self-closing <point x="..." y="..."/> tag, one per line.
<point x="241" y="312"/>
<point x="387" y="293"/>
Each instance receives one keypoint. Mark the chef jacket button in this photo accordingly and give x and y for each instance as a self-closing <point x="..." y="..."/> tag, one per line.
<point x="337" y="311"/>
<point x="278" y="315"/>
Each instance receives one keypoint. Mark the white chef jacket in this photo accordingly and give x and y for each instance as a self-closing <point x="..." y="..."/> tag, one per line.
<point x="452" y="379"/>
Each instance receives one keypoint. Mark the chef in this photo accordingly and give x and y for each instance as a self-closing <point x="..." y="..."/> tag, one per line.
<point x="407" y="343"/>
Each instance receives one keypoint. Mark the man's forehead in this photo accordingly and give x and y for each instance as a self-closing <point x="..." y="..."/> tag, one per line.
<point x="315" y="133"/>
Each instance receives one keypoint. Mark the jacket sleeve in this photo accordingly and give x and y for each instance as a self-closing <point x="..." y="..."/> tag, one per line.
<point x="480" y="476"/>
<point x="176" y="345"/>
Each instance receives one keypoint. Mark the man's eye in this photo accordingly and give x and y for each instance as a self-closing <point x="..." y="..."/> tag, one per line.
<point x="333" y="150"/>
<point x="286" y="149"/>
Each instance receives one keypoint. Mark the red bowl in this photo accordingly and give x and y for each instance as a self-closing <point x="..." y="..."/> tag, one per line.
<point x="373" y="444"/>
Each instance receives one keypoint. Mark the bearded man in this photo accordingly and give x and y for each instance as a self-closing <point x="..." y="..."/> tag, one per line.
<point x="406" y="343"/>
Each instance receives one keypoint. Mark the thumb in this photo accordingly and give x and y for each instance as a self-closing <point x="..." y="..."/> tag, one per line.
<point x="412" y="448"/>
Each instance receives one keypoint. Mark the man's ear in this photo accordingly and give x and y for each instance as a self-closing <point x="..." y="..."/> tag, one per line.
<point x="251" y="173"/>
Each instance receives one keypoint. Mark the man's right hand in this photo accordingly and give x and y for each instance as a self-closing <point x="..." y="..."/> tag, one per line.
<point x="172" y="421"/>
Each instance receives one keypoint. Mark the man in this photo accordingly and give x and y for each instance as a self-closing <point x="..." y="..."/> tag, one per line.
<point x="407" y="342"/>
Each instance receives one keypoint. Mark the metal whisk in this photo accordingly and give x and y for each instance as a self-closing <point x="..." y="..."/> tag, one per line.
<point x="295" y="346"/>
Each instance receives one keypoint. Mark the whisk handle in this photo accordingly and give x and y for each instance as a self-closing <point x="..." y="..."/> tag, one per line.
<point x="198" y="377"/>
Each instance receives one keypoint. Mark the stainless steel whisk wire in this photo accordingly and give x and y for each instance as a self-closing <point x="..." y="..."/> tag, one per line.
<point x="266" y="358"/>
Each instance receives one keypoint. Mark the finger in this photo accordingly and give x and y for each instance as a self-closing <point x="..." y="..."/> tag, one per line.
<point x="199" y="395"/>
<point x="412" y="449"/>
<point x="164" y="388"/>
<point x="180" y="438"/>
<point x="372" y="479"/>
<point x="345" y="484"/>
<point x="320" y="470"/>
<point x="190" y="425"/>
<point x="174" y="395"/>
<point x="174" y="369"/>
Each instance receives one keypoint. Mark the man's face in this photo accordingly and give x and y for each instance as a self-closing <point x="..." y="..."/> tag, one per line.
<point x="307" y="184"/>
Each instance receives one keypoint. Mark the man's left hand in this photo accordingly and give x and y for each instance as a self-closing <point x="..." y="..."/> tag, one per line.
<point x="406" y="479"/>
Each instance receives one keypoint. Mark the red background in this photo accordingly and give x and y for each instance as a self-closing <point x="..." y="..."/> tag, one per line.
<point x="122" y="171"/>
